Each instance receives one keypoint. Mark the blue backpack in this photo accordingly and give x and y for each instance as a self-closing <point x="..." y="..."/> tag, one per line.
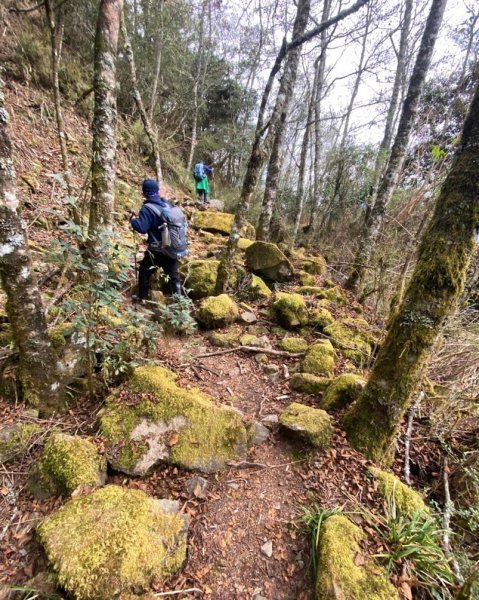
<point x="199" y="172"/>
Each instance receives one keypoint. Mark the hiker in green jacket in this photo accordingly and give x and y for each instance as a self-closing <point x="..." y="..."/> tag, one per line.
<point x="200" y="173"/>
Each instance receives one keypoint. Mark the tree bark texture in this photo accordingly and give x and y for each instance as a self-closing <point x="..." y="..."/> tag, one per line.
<point x="103" y="171"/>
<point x="431" y="296"/>
<point x="139" y="101"/>
<point x="286" y="91"/>
<point x="39" y="369"/>
<point x="398" y="152"/>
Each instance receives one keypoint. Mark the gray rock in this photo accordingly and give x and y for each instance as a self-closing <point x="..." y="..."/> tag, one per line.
<point x="267" y="548"/>
<point x="270" y="421"/>
<point x="257" y="434"/>
<point x="216" y="204"/>
<point x="262" y="342"/>
<point x="247" y="317"/>
<point x="271" y="369"/>
<point x="196" y="487"/>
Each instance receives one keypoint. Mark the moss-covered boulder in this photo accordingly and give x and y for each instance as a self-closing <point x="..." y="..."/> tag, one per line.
<point x="258" y="290"/>
<point x="407" y="501"/>
<point x="113" y="543"/>
<point x="309" y="384"/>
<point x="67" y="463"/>
<point x="219" y="222"/>
<point x="340" y="575"/>
<point x="15" y="440"/>
<point x="309" y="424"/>
<point x="217" y="311"/>
<point x="306" y="278"/>
<point x="319" y="359"/>
<point x="223" y="340"/>
<point x="293" y="344"/>
<point x="163" y="422"/>
<point x="290" y="310"/>
<point x="200" y="277"/>
<point x="267" y="260"/>
<point x="321" y="318"/>
<point x="314" y="265"/>
<point x="244" y="243"/>
<point x="342" y="391"/>
<point x="349" y="340"/>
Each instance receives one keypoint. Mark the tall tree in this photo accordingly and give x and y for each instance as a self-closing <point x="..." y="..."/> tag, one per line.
<point x="398" y="152"/>
<point x="263" y="139"/>
<point x="39" y="369"/>
<point x="286" y="91"/>
<point x="438" y="280"/>
<point x="103" y="170"/>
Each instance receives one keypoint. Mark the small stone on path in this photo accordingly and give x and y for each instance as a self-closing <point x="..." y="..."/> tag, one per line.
<point x="196" y="487"/>
<point x="267" y="548"/>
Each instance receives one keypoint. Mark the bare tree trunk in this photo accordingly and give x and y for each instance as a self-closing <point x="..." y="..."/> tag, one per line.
<point x="55" y="27"/>
<point x="139" y="101"/>
<point x="438" y="280"/>
<point x="39" y="369"/>
<point x="390" y="178"/>
<point x="103" y="171"/>
<point x="262" y="143"/>
<point x="286" y="90"/>
<point x="159" y="49"/>
<point x="472" y="33"/>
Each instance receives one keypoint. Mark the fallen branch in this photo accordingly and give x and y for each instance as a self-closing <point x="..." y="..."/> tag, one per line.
<point x="251" y="465"/>
<point x="407" y="437"/>
<point x="253" y="349"/>
<point x="176" y="592"/>
<point x="446" y="520"/>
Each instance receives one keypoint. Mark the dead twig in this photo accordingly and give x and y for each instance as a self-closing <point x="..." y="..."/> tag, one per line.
<point x="407" y="437"/>
<point x="446" y="520"/>
<point x="176" y="592"/>
<point x="253" y="349"/>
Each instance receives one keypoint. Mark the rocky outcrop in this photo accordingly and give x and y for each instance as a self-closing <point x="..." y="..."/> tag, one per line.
<point x="217" y="311"/>
<point x="268" y="261"/>
<point x="163" y="422"/>
<point x="113" y="543"/>
<point x="310" y="424"/>
<point x="290" y="310"/>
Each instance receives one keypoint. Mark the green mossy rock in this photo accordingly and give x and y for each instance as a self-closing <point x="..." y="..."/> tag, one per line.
<point x="309" y="384"/>
<point x="319" y="359"/>
<point x="217" y="311"/>
<point x="268" y="261"/>
<point x="293" y="345"/>
<point x="67" y="463"/>
<point x="310" y="424"/>
<point x="247" y="339"/>
<point x="200" y="277"/>
<point x="113" y="543"/>
<point x="342" y="391"/>
<point x="315" y="265"/>
<point x="290" y="310"/>
<point x="223" y="340"/>
<point x="335" y="294"/>
<point x="243" y="244"/>
<point x="306" y="279"/>
<point x="16" y="439"/>
<point x="352" y="343"/>
<point x="258" y="290"/>
<point x="338" y="575"/>
<point x="140" y="435"/>
<point x="219" y="222"/>
<point x="321" y="317"/>
<point x="407" y="501"/>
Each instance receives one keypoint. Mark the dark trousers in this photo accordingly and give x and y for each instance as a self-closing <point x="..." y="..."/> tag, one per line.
<point x="148" y="265"/>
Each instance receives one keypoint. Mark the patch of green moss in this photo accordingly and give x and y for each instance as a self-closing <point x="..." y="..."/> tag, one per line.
<point x="247" y="338"/>
<point x="200" y="277"/>
<point x="68" y="462"/>
<point x="218" y="222"/>
<point x="217" y="311"/>
<point x="310" y="290"/>
<point x="290" y="310"/>
<point x="308" y="383"/>
<point x="292" y="344"/>
<point x="57" y="335"/>
<point x="319" y="359"/>
<point x="258" y="289"/>
<point x="342" y="391"/>
<point x="223" y="340"/>
<point x="210" y="436"/>
<point x="315" y="265"/>
<point x="321" y="317"/>
<point x="267" y="260"/>
<point x="15" y="440"/>
<point x="112" y="543"/>
<point x="243" y="243"/>
<point x="351" y="343"/>
<point x="306" y="279"/>
<point x="338" y="574"/>
<point x="311" y="424"/>
<point x="407" y="501"/>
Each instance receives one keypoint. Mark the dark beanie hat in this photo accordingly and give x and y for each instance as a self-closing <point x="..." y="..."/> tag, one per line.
<point x="150" y="187"/>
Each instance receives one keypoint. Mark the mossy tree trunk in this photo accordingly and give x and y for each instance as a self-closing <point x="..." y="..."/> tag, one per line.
<point x="145" y="119"/>
<point x="263" y="140"/>
<point x="39" y="369"/>
<point x="103" y="170"/>
<point x="391" y="175"/>
<point x="286" y="91"/>
<point x="436" y="284"/>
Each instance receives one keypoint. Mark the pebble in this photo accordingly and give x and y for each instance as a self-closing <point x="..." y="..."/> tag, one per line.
<point x="196" y="487"/>
<point x="267" y="548"/>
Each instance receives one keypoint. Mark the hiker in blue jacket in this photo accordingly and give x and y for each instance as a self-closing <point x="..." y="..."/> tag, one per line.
<point x="149" y="221"/>
<point x="200" y="173"/>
